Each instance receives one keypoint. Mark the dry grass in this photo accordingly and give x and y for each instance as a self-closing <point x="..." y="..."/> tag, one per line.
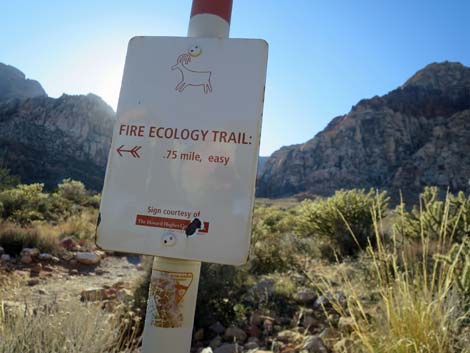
<point x="69" y="327"/>
<point x="419" y="307"/>
<point x="81" y="226"/>
<point x="13" y="238"/>
<point x="46" y="236"/>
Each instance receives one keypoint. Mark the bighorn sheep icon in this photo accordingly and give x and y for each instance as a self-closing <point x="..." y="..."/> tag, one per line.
<point x="191" y="77"/>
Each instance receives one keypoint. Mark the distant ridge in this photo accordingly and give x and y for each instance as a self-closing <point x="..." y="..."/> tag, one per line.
<point x="43" y="139"/>
<point x="14" y="84"/>
<point x="416" y="135"/>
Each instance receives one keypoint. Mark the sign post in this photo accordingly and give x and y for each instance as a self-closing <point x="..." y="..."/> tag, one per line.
<point x="169" y="329"/>
<point x="181" y="172"/>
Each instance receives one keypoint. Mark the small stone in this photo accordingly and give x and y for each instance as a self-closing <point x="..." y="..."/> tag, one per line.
<point x="48" y="269"/>
<point x="235" y="332"/>
<point x="100" y="253"/>
<point x="33" y="252"/>
<point x="207" y="350"/>
<point x="217" y="328"/>
<point x="325" y="300"/>
<point x="139" y="267"/>
<point x="67" y="256"/>
<point x="26" y="259"/>
<point x="36" y="269"/>
<point x="2" y="251"/>
<point x="251" y="346"/>
<point x="73" y="272"/>
<point x="305" y="296"/>
<point x="68" y="243"/>
<point x="255" y="340"/>
<point x="5" y="258"/>
<point x="314" y="344"/>
<point x="42" y="291"/>
<point x="100" y="272"/>
<point x="216" y="342"/>
<point x="45" y="257"/>
<point x="88" y="258"/>
<point x="33" y="282"/>
<point x="288" y="336"/>
<point x="309" y="319"/>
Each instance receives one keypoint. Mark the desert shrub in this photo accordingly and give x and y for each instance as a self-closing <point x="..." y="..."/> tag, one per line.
<point x="73" y="191"/>
<point x="24" y="204"/>
<point x="93" y="201"/>
<point x="14" y="238"/>
<point x="342" y="223"/>
<point x="274" y="245"/>
<point x="219" y="295"/>
<point x="435" y="218"/>
<point x="80" y="226"/>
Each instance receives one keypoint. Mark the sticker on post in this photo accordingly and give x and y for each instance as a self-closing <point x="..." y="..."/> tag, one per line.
<point x="167" y="292"/>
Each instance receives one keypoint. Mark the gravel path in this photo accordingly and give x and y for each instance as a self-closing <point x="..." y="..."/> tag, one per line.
<point x="57" y="282"/>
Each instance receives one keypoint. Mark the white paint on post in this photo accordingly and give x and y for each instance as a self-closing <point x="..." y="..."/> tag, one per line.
<point x="208" y="25"/>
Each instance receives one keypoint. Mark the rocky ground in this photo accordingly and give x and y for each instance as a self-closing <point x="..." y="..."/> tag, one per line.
<point x="35" y="278"/>
<point x="38" y="279"/>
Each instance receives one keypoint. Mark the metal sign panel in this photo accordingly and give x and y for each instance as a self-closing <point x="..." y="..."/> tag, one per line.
<point x="181" y="172"/>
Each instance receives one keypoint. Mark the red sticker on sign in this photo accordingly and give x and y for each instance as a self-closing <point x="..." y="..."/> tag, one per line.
<point x="167" y="223"/>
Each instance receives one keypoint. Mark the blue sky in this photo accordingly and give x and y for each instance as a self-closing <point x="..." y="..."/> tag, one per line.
<point x="325" y="55"/>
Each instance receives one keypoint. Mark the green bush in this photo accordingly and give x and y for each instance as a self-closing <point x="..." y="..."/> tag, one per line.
<point x="273" y="242"/>
<point x="436" y="218"/>
<point x="24" y="204"/>
<point x="220" y="291"/>
<point x="73" y="191"/>
<point x="343" y="224"/>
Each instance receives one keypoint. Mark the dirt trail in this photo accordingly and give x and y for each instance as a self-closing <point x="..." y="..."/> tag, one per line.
<point x="56" y="282"/>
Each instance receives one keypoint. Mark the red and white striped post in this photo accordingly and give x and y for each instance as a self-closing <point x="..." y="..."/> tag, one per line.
<point x="209" y="18"/>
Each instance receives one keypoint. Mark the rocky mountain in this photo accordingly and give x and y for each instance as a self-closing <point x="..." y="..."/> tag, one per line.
<point x="416" y="135"/>
<point x="261" y="162"/>
<point x="43" y="139"/>
<point x="14" y="84"/>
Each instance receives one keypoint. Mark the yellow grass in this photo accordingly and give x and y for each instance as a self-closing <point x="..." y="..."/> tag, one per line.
<point x="419" y="310"/>
<point x="69" y="327"/>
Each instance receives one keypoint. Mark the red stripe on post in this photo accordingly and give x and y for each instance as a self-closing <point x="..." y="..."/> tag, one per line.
<point x="221" y="8"/>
